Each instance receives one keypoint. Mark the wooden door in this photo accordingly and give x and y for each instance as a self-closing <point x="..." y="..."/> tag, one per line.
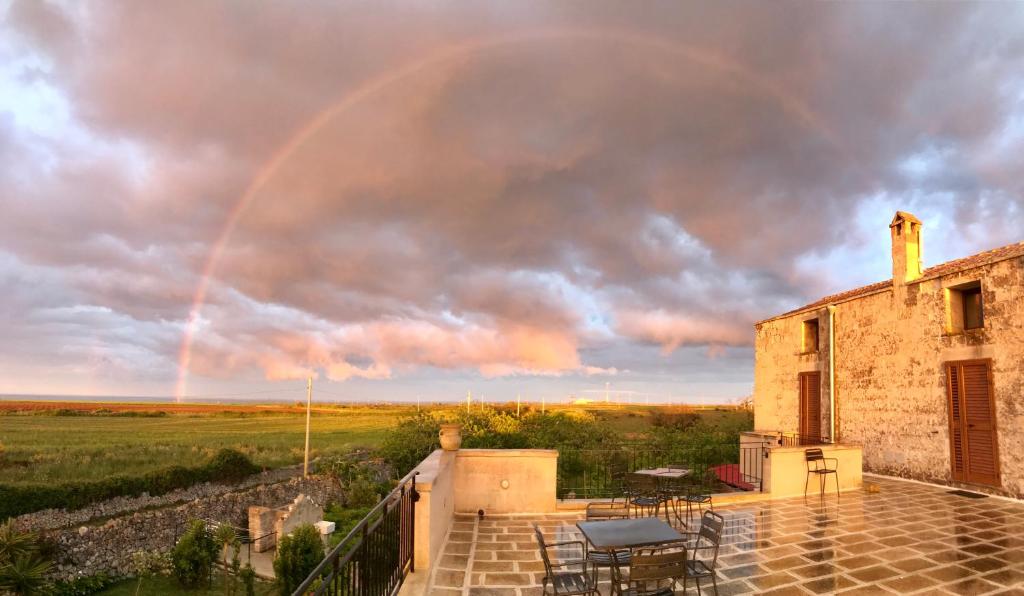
<point x="973" y="440"/>
<point x="810" y="408"/>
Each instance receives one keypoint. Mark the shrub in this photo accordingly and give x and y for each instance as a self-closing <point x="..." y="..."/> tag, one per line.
<point x="227" y="465"/>
<point x="298" y="554"/>
<point x="147" y="564"/>
<point x="359" y="478"/>
<point x="194" y="555"/>
<point x="22" y="568"/>
<point x="413" y="439"/>
<point x="248" y="577"/>
<point x="83" y="586"/>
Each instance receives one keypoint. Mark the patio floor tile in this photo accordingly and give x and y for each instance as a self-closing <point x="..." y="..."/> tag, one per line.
<point x="907" y="538"/>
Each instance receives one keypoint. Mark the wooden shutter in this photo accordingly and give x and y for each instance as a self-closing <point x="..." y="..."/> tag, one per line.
<point x="974" y="446"/>
<point x="810" y="407"/>
<point x="957" y="447"/>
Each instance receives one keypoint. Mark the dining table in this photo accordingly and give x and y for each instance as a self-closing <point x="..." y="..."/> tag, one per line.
<point x="620" y="534"/>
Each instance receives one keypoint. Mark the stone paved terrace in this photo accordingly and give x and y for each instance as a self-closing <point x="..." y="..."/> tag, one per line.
<point x="905" y="538"/>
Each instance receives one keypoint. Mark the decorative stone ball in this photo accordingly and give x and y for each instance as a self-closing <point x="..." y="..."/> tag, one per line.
<point x="451" y="437"/>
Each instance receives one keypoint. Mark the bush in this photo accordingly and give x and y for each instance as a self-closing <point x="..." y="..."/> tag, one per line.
<point x="22" y="568"/>
<point x="414" y="438"/>
<point x="83" y="586"/>
<point x="227" y="465"/>
<point x="248" y="577"/>
<point x="298" y="554"/>
<point x="194" y="555"/>
<point x="361" y="479"/>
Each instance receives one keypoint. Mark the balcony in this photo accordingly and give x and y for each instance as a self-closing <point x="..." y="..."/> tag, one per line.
<point x="471" y="532"/>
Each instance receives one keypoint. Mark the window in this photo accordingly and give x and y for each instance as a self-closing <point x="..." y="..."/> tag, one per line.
<point x="964" y="308"/>
<point x="973" y="318"/>
<point x="810" y="336"/>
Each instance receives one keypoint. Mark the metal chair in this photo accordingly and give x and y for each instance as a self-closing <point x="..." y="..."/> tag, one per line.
<point x="652" y="572"/>
<point x="644" y="494"/>
<point x="568" y="582"/>
<point x="708" y="538"/>
<point x="817" y="464"/>
<point x="606" y="510"/>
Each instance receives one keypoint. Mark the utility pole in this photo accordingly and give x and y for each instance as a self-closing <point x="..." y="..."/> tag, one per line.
<point x="469" y="400"/>
<point x="517" y="405"/>
<point x="417" y="404"/>
<point x="309" y="405"/>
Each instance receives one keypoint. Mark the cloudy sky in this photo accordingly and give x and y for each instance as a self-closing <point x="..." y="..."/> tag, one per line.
<point x="429" y="197"/>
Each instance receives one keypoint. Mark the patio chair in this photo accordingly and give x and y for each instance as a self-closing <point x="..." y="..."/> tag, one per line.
<point x="562" y="579"/>
<point x="653" y="572"/>
<point x="694" y="494"/>
<point x="644" y="495"/>
<point x="706" y="540"/>
<point x="817" y="464"/>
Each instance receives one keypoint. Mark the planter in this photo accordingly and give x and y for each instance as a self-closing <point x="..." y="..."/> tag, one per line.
<point x="451" y="436"/>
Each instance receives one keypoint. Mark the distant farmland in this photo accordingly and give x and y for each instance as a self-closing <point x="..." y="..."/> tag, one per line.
<point x="64" y="441"/>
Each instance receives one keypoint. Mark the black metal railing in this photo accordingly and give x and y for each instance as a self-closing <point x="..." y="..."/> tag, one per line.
<point x="711" y="468"/>
<point x="376" y="556"/>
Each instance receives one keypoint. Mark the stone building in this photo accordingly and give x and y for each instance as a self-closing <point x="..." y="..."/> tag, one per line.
<point x="925" y="371"/>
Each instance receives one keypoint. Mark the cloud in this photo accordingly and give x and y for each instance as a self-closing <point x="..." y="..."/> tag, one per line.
<point x="502" y="190"/>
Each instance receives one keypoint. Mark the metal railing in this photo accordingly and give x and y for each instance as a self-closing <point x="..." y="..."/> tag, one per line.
<point x="376" y="556"/>
<point x="715" y="467"/>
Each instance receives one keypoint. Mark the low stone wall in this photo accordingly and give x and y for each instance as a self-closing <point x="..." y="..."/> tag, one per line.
<point x="50" y="519"/>
<point x="108" y="548"/>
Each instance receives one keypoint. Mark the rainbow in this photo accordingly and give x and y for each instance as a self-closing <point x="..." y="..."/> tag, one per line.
<point x="791" y="104"/>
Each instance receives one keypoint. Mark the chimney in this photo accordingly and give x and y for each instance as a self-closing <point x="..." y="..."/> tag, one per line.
<point x="905" y="230"/>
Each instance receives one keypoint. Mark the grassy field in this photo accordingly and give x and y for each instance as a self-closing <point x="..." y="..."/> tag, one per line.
<point x="50" y="442"/>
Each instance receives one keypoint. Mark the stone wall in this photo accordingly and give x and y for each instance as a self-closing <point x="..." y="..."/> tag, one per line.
<point x="890" y="382"/>
<point x="49" y="519"/>
<point x="108" y="548"/>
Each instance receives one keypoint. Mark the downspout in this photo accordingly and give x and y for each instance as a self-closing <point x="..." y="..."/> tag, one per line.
<point x="832" y="371"/>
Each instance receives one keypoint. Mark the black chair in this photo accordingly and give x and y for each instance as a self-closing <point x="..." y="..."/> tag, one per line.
<point x="561" y="577"/>
<point x="653" y="572"/>
<point x="644" y="495"/>
<point x="707" y="539"/>
<point x="818" y="464"/>
<point x="607" y="510"/>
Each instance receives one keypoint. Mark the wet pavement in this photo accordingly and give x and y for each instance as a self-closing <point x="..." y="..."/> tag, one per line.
<point x="905" y="538"/>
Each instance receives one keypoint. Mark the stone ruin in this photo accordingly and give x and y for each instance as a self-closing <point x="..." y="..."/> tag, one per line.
<point x="267" y="524"/>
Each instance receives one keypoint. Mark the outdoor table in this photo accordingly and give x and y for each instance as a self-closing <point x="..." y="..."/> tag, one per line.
<point x="663" y="475"/>
<point x="619" y="534"/>
<point x="674" y="473"/>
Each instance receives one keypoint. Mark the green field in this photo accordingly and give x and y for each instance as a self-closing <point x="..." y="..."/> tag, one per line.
<point x="54" y="445"/>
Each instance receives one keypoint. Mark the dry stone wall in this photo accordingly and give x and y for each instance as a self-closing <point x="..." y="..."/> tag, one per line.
<point x="50" y="519"/>
<point x="108" y="547"/>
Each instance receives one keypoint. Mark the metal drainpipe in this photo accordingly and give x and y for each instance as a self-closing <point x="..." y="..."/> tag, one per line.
<point x="832" y="371"/>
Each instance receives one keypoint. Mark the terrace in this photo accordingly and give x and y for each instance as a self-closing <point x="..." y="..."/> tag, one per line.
<point x="882" y="535"/>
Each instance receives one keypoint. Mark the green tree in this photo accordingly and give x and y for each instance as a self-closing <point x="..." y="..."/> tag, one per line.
<point x="298" y="554"/>
<point x="226" y="538"/>
<point x="194" y="555"/>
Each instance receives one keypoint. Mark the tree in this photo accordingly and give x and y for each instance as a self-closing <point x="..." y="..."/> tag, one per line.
<point x="226" y="538"/>
<point x="194" y="555"/>
<point x="298" y="554"/>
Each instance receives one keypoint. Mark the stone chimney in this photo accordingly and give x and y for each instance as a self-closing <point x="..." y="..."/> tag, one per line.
<point x="905" y="230"/>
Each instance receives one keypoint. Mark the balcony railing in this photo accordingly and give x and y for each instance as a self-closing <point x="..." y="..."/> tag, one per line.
<point x="376" y="556"/>
<point x="714" y="467"/>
